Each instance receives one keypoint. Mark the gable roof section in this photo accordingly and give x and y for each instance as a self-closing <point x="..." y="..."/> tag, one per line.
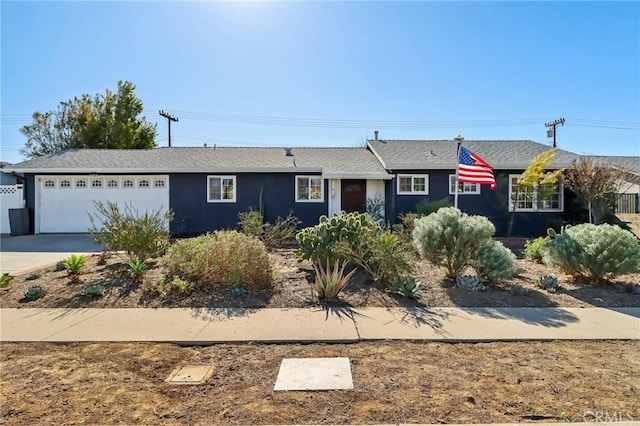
<point x="631" y="164"/>
<point x="441" y="154"/>
<point x="331" y="162"/>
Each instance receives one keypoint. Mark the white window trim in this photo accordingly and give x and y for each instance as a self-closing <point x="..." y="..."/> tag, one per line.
<point x="535" y="208"/>
<point x="463" y="192"/>
<point x="308" y="178"/>
<point x="235" y="181"/>
<point x="412" y="192"/>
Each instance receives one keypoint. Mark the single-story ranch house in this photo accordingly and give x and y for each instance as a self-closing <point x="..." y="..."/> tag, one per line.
<point x="207" y="187"/>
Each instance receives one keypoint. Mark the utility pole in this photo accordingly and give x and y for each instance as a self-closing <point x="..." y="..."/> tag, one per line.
<point x="169" y="118"/>
<point x="552" y="130"/>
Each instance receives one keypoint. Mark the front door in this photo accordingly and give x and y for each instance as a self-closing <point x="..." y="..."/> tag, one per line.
<point x="353" y="195"/>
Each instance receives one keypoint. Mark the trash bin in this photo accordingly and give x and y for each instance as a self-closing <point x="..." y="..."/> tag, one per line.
<point x="19" y="221"/>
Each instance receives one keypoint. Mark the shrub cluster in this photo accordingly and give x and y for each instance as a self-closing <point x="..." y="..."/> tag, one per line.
<point x="592" y="253"/>
<point x="454" y="240"/>
<point x="141" y="236"/>
<point x="355" y="239"/>
<point x="272" y="235"/>
<point x="221" y="260"/>
<point x="533" y="248"/>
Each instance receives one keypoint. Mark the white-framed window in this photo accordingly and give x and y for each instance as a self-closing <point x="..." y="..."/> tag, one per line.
<point x="127" y="183"/>
<point x="158" y="183"/>
<point x="413" y="184"/>
<point x="221" y="189"/>
<point x="49" y="183"/>
<point x="81" y="183"/>
<point x="96" y="183"/>
<point x="463" y="187"/>
<point x="309" y="189"/>
<point x="65" y="183"/>
<point x="538" y="198"/>
<point x="143" y="183"/>
<point x="112" y="183"/>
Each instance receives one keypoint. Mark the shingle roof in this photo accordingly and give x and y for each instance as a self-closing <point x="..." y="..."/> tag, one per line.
<point x="441" y="154"/>
<point x="332" y="162"/>
<point x="629" y="163"/>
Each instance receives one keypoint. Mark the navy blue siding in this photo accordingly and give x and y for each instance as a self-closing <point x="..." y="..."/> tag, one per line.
<point x="494" y="204"/>
<point x="194" y="215"/>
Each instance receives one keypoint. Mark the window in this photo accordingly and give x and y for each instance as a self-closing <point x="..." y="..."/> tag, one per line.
<point x="112" y="183"/>
<point x="413" y="184"/>
<point x="463" y="187"/>
<point x="221" y="189"/>
<point x="143" y="183"/>
<point x="81" y="183"/>
<point x="158" y="183"/>
<point x="96" y="183"/>
<point x="65" y="183"/>
<point x="309" y="189"/>
<point x="546" y="197"/>
<point x="127" y="183"/>
<point x="49" y="183"/>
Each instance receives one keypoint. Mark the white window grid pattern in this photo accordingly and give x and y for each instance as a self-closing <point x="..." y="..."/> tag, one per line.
<point x="309" y="189"/>
<point x="221" y="189"/>
<point x="409" y="184"/>
<point x="113" y="183"/>
<point x="65" y="183"/>
<point x="463" y="187"/>
<point x="8" y="190"/>
<point x="529" y="200"/>
<point x="81" y="183"/>
<point x="158" y="183"/>
<point x="143" y="183"/>
<point x="49" y="183"/>
<point x="96" y="183"/>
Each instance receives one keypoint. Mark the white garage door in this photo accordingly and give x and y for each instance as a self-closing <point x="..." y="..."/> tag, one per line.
<point x="63" y="203"/>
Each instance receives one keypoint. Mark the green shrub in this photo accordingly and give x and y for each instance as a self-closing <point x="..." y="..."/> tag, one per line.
<point x="450" y="238"/>
<point x="425" y="208"/>
<point x="592" y="253"/>
<point x="221" y="260"/>
<point x="331" y="281"/>
<point x="5" y="281"/>
<point x="317" y="243"/>
<point x="494" y="262"/>
<point x="533" y="248"/>
<point x="379" y="252"/>
<point x="33" y="276"/>
<point x="141" y="236"/>
<point x="165" y="287"/>
<point x="74" y="264"/>
<point x="272" y="235"/>
<point x="404" y="229"/>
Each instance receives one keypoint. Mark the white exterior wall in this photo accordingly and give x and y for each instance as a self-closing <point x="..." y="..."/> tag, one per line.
<point x="11" y="197"/>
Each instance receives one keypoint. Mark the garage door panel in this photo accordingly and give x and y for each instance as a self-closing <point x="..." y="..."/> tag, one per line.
<point x="64" y="207"/>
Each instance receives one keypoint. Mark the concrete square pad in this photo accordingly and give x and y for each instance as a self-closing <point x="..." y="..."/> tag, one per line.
<point x="190" y="375"/>
<point x="314" y="374"/>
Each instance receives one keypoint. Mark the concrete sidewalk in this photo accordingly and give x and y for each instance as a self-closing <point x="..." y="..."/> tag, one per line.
<point x="202" y="326"/>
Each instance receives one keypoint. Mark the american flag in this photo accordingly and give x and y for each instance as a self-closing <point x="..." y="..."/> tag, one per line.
<point x="473" y="169"/>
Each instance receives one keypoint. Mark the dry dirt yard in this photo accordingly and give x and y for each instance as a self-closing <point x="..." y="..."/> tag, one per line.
<point x="395" y="382"/>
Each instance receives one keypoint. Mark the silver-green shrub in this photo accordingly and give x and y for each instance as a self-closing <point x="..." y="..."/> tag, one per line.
<point x="593" y="253"/>
<point x="450" y="239"/>
<point x="494" y="262"/>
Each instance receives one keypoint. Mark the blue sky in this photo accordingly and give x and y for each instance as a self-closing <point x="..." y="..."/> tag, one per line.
<point x="485" y="70"/>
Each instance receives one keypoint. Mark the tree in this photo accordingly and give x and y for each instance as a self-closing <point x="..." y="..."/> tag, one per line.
<point x="108" y="121"/>
<point x="535" y="177"/>
<point x="596" y="185"/>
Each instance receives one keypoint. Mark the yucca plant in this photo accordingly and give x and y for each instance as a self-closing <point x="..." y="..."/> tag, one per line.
<point x="74" y="264"/>
<point x="137" y="268"/>
<point x="330" y="282"/>
<point x="405" y="287"/>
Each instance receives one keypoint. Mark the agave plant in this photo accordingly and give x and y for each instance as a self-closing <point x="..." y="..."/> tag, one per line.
<point x="405" y="287"/>
<point x="330" y="282"/>
<point x="549" y="283"/>
<point x="137" y="268"/>
<point x="35" y="292"/>
<point x="469" y="282"/>
<point x="93" y="290"/>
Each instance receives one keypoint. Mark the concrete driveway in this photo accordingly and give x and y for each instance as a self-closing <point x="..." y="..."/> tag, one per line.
<point x="19" y="255"/>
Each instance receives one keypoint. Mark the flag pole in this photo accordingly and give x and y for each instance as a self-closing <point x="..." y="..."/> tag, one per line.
<point x="456" y="183"/>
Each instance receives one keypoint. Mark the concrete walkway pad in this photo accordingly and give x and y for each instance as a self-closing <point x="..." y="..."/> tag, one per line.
<point x="304" y="374"/>
<point x="190" y="375"/>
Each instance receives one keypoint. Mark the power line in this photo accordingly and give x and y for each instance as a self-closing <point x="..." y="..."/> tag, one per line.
<point x="169" y="118"/>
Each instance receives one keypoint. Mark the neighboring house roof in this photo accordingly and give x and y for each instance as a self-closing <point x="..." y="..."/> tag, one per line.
<point x="441" y="154"/>
<point x="331" y="162"/>
<point x="631" y="164"/>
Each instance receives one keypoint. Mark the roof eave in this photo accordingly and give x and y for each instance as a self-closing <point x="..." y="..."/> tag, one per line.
<point x="110" y="170"/>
